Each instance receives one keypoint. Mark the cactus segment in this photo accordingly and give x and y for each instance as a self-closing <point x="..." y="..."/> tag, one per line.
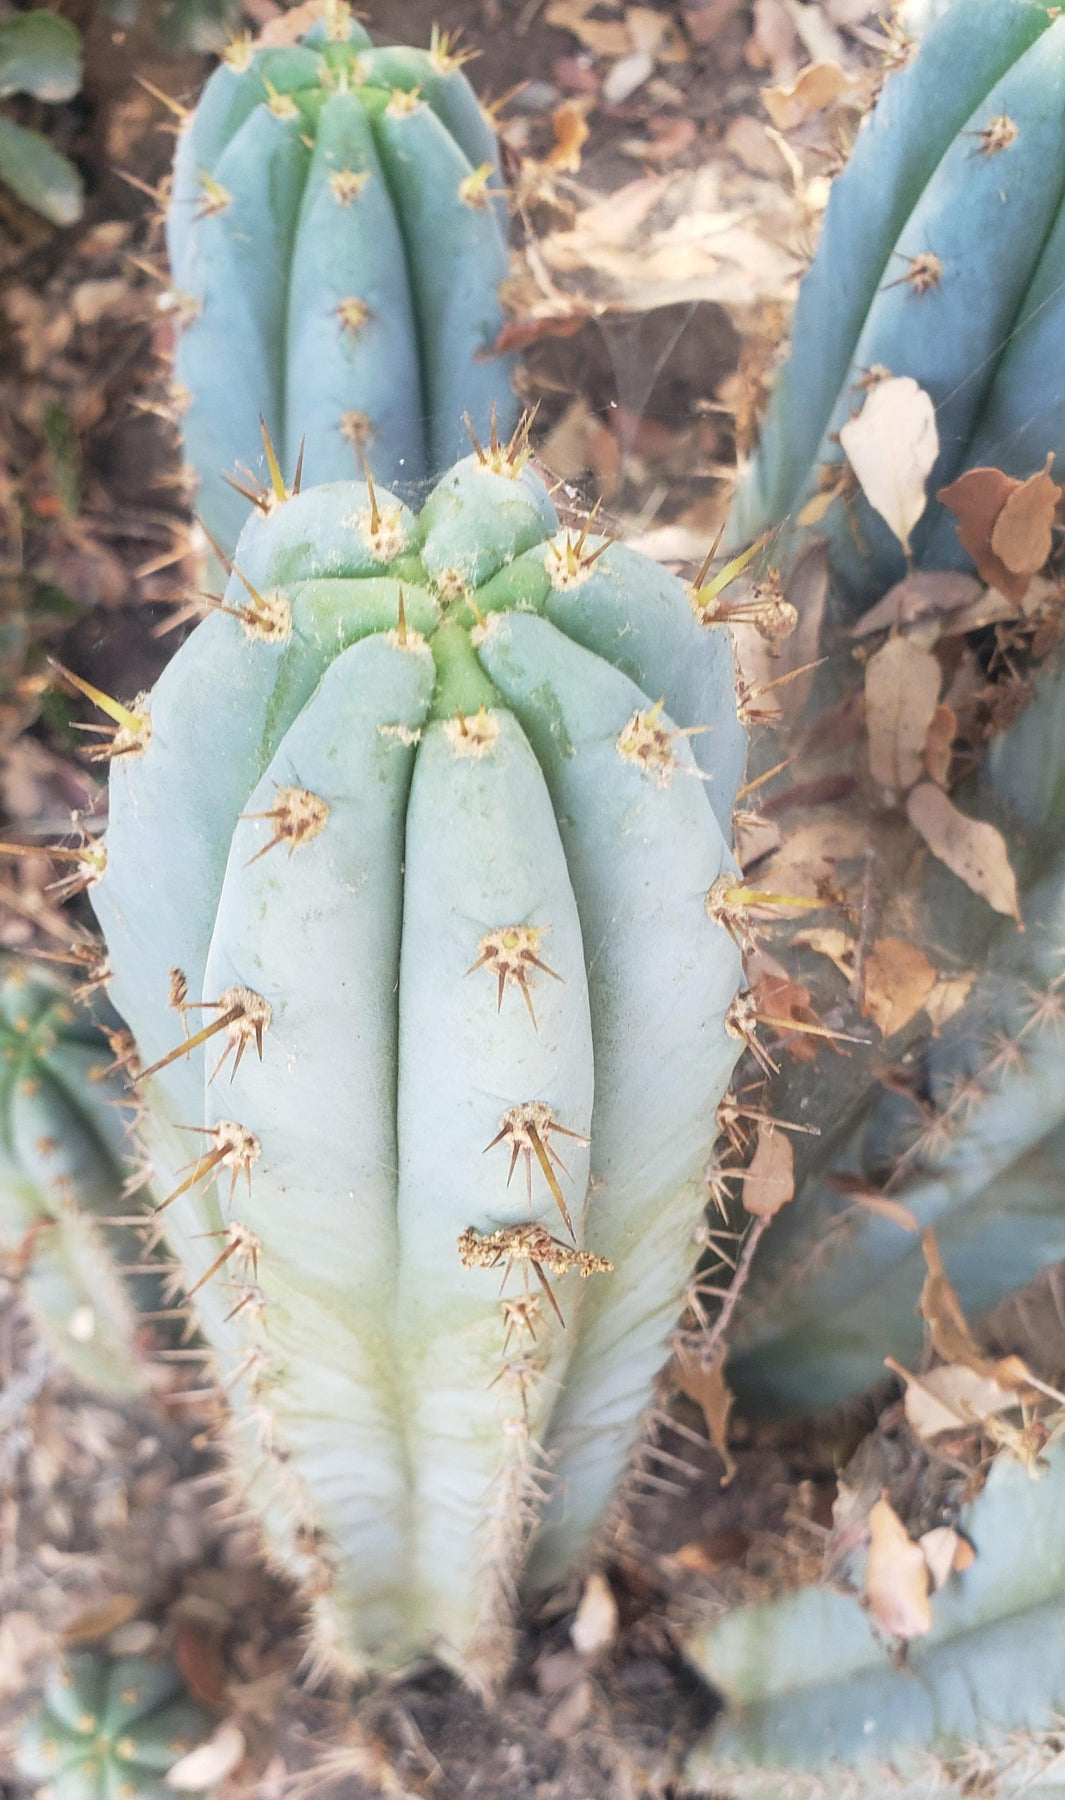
<point x="938" y="242"/>
<point x="108" y="1730"/>
<point x="62" y="1149"/>
<point x="336" y="249"/>
<point x="643" y="851"/>
<point x="417" y="1008"/>
<point x="846" y="1720"/>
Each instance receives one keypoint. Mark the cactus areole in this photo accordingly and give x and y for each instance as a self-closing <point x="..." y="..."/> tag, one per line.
<point x="337" y="236"/>
<point x="406" y="902"/>
<point x="942" y="258"/>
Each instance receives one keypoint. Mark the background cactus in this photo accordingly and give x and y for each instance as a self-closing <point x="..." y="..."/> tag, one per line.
<point x="977" y="1152"/>
<point x="418" y="831"/>
<point x="64" y="1148"/>
<point x="815" y="1706"/>
<point x="942" y="257"/>
<point x="108" y="1730"/>
<point x="40" y="54"/>
<point x="337" y="237"/>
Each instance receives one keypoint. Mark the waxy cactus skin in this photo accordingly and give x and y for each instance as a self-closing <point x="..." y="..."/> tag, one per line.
<point x="64" y="1163"/>
<point x="426" y="831"/>
<point x="337" y="236"/>
<point x="942" y="257"/>
<point x="110" y="1730"/>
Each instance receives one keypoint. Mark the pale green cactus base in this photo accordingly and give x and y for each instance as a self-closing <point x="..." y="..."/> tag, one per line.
<point x="110" y="1730"/>
<point x="424" y="833"/>
<point x="815" y="1706"/>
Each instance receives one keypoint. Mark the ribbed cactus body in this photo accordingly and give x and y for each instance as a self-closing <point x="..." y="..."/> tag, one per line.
<point x="962" y="162"/>
<point x="63" y="1163"/>
<point x="978" y="1153"/>
<point x="428" y="812"/>
<point x="337" y="237"/>
<point x="110" y="1730"/>
<point x="815" y="1705"/>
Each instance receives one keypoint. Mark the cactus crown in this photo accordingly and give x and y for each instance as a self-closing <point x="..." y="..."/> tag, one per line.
<point x="110" y="1730"/>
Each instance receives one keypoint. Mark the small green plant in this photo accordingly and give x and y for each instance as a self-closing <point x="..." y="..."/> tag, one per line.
<point x="40" y="55"/>
<point x="110" y="1730"/>
<point x="337" y="236"/>
<point x="416" y="897"/>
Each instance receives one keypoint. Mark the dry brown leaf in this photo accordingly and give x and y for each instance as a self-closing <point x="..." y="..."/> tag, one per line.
<point x="209" y="1764"/>
<point x="974" y="851"/>
<point x="706" y="1385"/>
<point x="603" y="37"/>
<point x="898" y="980"/>
<point x="96" y="1621"/>
<point x="976" y="499"/>
<point x="939" y="744"/>
<point x="570" y="126"/>
<point x="926" y="594"/>
<point x="947" y="998"/>
<point x="886" y="1208"/>
<point x="896" y="1576"/>
<point x="769" y="1178"/>
<point x="941" y="1311"/>
<point x="1021" y="536"/>
<point x="891" y="446"/>
<point x="902" y="684"/>
<point x="814" y="88"/>
<point x="595" y="1623"/>
<point x="828" y="940"/>
<point x="940" y="1549"/>
<point x="951" y="1397"/>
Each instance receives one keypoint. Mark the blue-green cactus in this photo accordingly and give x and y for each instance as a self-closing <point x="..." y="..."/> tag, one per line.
<point x="40" y="54"/>
<point x="337" y="237"/>
<point x="815" y="1706"/>
<point x="942" y="258"/>
<point x="64" y="1164"/>
<point x="110" y="1730"/>
<point x="420" y="825"/>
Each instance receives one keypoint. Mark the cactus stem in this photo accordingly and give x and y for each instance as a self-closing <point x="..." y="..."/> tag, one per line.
<point x="245" y="1015"/>
<point x="298" y="816"/>
<point x="923" y="272"/>
<point x="509" y="953"/>
<point x="240" y="1241"/>
<point x="527" y="1129"/>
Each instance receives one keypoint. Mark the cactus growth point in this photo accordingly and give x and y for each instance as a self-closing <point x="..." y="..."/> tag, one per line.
<point x="110" y="1730"/>
<point x="337" y="237"/>
<point x="942" y="258"/>
<point x="420" y="832"/>
<point x="64" y="1151"/>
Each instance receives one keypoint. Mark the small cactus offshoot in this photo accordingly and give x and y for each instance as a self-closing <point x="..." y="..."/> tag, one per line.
<point x="110" y="1730"/>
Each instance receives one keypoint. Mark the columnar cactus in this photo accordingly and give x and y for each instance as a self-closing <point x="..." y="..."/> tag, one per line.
<point x="978" y="1152"/>
<point x="110" y="1730"/>
<point x="942" y="258"/>
<point x="816" y="1706"/>
<point x="415" y="841"/>
<point x="64" y="1155"/>
<point x="337" y="237"/>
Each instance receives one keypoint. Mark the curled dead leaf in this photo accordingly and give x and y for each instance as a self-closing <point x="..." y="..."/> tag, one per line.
<point x="974" y="851"/>
<point x="898" y="979"/>
<point x="209" y="1763"/>
<point x="1022" y="534"/>
<point x="1004" y="524"/>
<point x="940" y="1547"/>
<point x="769" y="1178"/>
<point x="947" y="998"/>
<point x="814" y="88"/>
<point x="902" y="683"/>
<point x="939" y="744"/>
<point x="570" y="126"/>
<point x="951" y="1397"/>
<point x="891" y="446"/>
<point x="705" y="1384"/>
<point x="896" y="1576"/>
<point x="595" y="1623"/>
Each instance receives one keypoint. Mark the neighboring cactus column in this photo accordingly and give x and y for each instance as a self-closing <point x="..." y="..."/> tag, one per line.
<point x="418" y="848"/>
<point x="337" y="235"/>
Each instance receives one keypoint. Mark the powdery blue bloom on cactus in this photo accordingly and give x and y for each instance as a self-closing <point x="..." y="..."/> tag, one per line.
<point x="337" y="235"/>
<point x="418" y="855"/>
